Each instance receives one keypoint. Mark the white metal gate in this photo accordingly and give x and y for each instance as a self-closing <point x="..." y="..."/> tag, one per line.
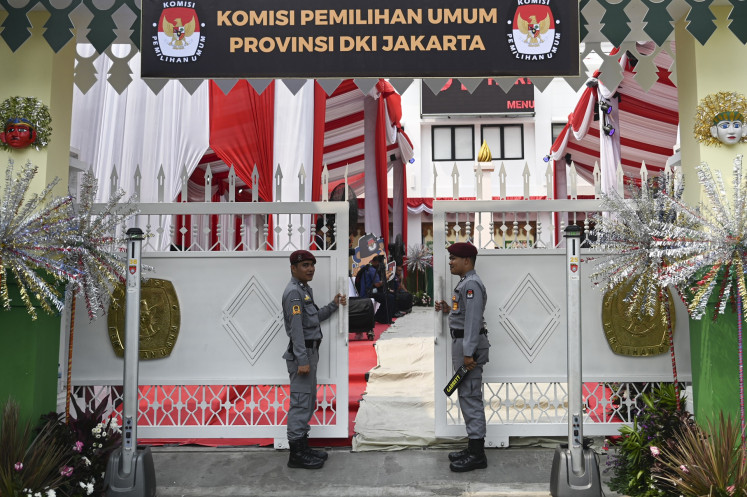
<point x="225" y="377"/>
<point x="523" y="269"/>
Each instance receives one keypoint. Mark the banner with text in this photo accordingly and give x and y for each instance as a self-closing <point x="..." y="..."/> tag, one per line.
<point x="488" y="98"/>
<point x="328" y="39"/>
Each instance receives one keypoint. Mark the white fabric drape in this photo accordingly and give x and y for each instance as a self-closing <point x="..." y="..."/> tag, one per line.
<point x="609" y="146"/>
<point x="371" y="201"/>
<point x="134" y="128"/>
<point x="293" y="148"/>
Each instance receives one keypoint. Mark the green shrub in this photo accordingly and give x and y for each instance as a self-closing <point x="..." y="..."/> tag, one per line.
<point x="706" y="461"/>
<point x="62" y="460"/>
<point x="30" y="462"/>
<point x="635" y="463"/>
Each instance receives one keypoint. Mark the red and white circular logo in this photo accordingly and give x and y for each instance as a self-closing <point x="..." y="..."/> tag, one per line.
<point x="179" y="32"/>
<point x="534" y="31"/>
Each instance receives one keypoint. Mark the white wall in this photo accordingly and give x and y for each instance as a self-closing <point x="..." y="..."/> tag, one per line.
<point x="552" y="105"/>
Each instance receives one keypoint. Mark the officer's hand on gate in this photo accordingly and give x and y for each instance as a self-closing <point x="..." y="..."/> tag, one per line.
<point x="302" y="370"/>
<point x="341" y="299"/>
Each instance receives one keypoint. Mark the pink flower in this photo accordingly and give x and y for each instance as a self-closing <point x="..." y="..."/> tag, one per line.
<point x="66" y="470"/>
<point x="655" y="451"/>
<point x="730" y="489"/>
<point x="18" y="466"/>
<point x="684" y="468"/>
<point x="78" y="447"/>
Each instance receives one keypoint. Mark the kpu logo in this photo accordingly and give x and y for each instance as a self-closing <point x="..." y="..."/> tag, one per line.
<point x="535" y="30"/>
<point x="178" y="37"/>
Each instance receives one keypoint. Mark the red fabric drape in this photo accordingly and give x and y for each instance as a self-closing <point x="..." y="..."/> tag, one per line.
<point x="241" y="131"/>
<point x="242" y="128"/>
<point x="404" y="206"/>
<point x="393" y="103"/>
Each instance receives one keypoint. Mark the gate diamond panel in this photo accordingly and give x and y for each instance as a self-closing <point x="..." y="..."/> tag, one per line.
<point x="252" y="319"/>
<point x="529" y="317"/>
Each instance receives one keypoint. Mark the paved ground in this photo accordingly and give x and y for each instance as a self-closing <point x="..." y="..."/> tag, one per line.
<point x="208" y="472"/>
<point x="420" y="471"/>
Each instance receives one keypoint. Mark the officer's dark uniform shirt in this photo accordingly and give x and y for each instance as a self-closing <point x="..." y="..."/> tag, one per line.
<point x="467" y="310"/>
<point x="302" y="318"/>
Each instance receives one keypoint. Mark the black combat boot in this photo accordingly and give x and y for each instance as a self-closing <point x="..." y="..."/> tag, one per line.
<point x="474" y="460"/>
<point x="456" y="455"/>
<point x="299" y="458"/>
<point x="319" y="454"/>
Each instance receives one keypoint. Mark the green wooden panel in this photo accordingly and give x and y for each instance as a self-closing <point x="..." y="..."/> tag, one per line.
<point x="713" y="348"/>
<point x="29" y="354"/>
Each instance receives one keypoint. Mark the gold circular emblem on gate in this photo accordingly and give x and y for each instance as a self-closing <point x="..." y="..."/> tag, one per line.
<point x="635" y="336"/>
<point x="159" y="319"/>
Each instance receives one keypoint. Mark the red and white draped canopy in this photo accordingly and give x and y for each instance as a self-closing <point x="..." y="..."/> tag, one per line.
<point x="645" y="123"/>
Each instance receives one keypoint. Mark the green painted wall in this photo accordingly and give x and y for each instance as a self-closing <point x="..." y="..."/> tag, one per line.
<point x="713" y="346"/>
<point x="29" y="349"/>
<point x="29" y="352"/>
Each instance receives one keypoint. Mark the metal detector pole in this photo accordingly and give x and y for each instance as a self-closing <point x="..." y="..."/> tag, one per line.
<point x="575" y="471"/>
<point x="130" y="471"/>
<point x="132" y="349"/>
<point x="575" y="401"/>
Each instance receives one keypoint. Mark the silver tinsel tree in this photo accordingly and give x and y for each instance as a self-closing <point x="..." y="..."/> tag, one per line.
<point x="656" y="240"/>
<point x="45" y="241"/>
<point x="630" y="230"/>
<point x="419" y="259"/>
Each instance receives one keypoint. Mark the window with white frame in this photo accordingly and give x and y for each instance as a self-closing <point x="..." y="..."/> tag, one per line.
<point x="506" y="141"/>
<point x="557" y="128"/>
<point x="453" y="143"/>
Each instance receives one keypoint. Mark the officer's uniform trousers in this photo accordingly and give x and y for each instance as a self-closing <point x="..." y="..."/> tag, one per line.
<point x="469" y="338"/>
<point x="302" y="318"/>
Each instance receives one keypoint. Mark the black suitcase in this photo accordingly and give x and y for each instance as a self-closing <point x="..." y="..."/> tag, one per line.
<point x="403" y="300"/>
<point x="361" y="316"/>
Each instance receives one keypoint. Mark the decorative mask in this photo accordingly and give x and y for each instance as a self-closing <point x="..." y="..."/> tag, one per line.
<point x="720" y="119"/>
<point x="728" y="127"/>
<point x="18" y="133"/>
<point x="26" y="122"/>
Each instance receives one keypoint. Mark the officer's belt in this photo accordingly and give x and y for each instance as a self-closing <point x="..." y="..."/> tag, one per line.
<point x="460" y="333"/>
<point x="313" y="344"/>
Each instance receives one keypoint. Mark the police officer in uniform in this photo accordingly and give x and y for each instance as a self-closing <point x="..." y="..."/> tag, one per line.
<point x="469" y="346"/>
<point x="302" y="318"/>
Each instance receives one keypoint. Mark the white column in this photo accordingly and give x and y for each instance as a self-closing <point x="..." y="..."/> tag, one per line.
<point x="484" y="192"/>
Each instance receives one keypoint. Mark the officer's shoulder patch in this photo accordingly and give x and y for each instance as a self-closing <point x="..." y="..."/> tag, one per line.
<point x="296" y="309"/>
<point x="470" y="294"/>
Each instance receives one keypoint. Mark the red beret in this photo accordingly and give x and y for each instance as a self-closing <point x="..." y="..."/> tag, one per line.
<point x="302" y="255"/>
<point x="462" y="249"/>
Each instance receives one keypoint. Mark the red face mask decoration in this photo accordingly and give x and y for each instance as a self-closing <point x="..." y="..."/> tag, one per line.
<point x="18" y="134"/>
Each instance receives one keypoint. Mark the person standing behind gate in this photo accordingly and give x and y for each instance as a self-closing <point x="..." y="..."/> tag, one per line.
<point x="302" y="318"/>
<point x="469" y="346"/>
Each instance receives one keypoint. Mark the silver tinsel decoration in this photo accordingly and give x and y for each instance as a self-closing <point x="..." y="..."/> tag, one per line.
<point x="630" y="231"/>
<point x="706" y="252"/>
<point x="92" y="245"/>
<point x="656" y="240"/>
<point x="419" y="258"/>
<point x="44" y="242"/>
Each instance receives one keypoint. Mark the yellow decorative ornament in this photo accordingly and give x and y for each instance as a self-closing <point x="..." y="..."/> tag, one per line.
<point x="637" y="336"/>
<point x="720" y="119"/>
<point x="160" y="319"/>
<point x="484" y="154"/>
